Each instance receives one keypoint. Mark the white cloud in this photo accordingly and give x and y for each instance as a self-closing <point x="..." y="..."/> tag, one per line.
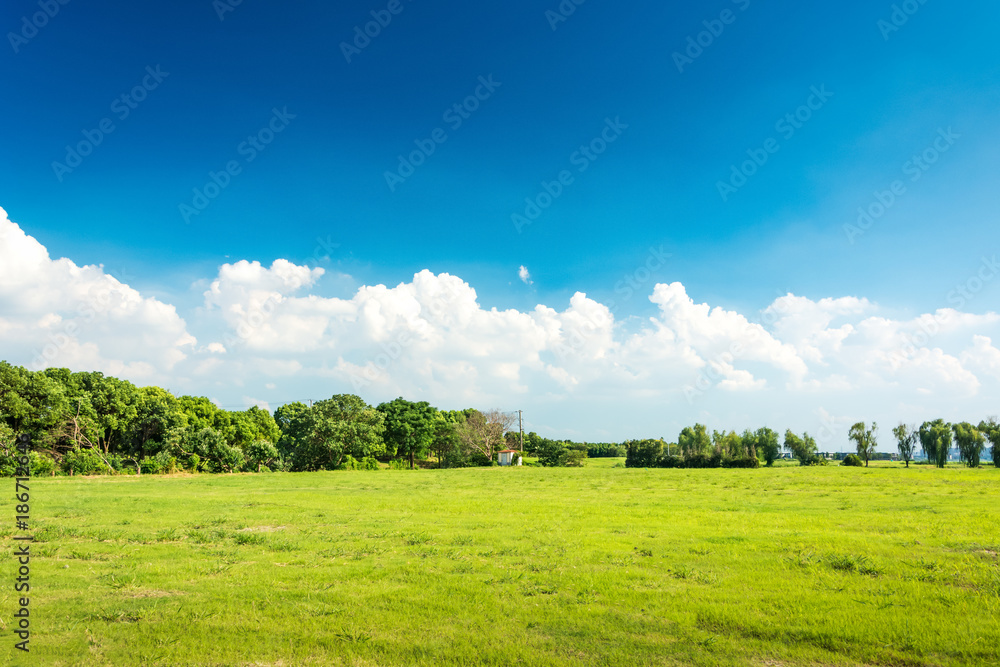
<point x="575" y="369"/>
<point x="524" y="275"/>
<point x="55" y="313"/>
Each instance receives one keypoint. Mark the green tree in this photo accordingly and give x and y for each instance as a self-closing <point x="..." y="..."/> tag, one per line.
<point x="804" y="449"/>
<point x="694" y="441"/>
<point x="643" y="453"/>
<point x="291" y="422"/>
<point x="991" y="431"/>
<point x="749" y="442"/>
<point x="865" y="439"/>
<point x="409" y="428"/>
<point x="159" y="417"/>
<point x="340" y="426"/>
<point x="970" y="443"/>
<point x="906" y="441"/>
<point x="935" y="438"/>
<point x="553" y="453"/>
<point x="767" y="444"/>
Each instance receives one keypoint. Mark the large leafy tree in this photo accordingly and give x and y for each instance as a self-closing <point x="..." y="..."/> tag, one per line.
<point x="409" y="428"/>
<point x="865" y="439"/>
<point x="906" y="441"/>
<point x="935" y="438"/>
<point x="159" y="418"/>
<point x="694" y="441"/>
<point x="990" y="429"/>
<point x="114" y="406"/>
<point x="291" y="422"/>
<point x="804" y="449"/>
<point x="31" y="402"/>
<point x="339" y="426"/>
<point x="767" y="444"/>
<point x="970" y="443"/>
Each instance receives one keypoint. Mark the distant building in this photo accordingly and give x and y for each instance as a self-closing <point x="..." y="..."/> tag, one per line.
<point x="509" y="457"/>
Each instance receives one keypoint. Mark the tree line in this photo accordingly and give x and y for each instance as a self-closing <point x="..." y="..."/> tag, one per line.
<point x="89" y="423"/>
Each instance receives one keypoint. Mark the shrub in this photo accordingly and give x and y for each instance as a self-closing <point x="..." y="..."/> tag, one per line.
<point x="398" y="464"/>
<point x="643" y="453"/>
<point x="42" y="465"/>
<point x="669" y="462"/>
<point x="84" y="462"/>
<point x="368" y="463"/>
<point x="748" y="462"/>
<point x="192" y="462"/>
<point x="853" y="460"/>
<point x="576" y="458"/>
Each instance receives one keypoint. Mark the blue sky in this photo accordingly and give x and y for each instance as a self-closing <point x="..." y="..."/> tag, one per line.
<point x="893" y="93"/>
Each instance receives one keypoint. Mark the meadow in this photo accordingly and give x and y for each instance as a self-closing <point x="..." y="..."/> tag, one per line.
<point x="502" y="566"/>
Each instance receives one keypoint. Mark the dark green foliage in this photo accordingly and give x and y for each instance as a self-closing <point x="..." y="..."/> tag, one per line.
<point x="552" y="453"/>
<point x="694" y="441"/>
<point x="409" y="428"/>
<point x="991" y="431"/>
<point x="747" y="462"/>
<point x="605" y="450"/>
<point x="766" y="445"/>
<point x="804" y="448"/>
<point x="643" y="453"/>
<point x="970" y="443"/>
<point x="935" y="438"/>
<point x="853" y="460"/>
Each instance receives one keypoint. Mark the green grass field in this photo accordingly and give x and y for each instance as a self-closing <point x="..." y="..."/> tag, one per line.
<point x="532" y="566"/>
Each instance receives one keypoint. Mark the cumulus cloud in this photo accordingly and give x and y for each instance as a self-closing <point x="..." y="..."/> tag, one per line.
<point x="576" y="369"/>
<point x="56" y="313"/>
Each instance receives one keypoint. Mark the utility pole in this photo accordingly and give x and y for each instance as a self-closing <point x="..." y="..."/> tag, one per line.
<point x="520" y="427"/>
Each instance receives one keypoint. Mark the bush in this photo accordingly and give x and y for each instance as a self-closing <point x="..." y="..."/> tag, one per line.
<point x="192" y="462"/>
<point x="749" y="462"/>
<point x="398" y="464"/>
<point x="669" y="462"/>
<point x="368" y="463"/>
<point x="853" y="460"/>
<point x="576" y="458"/>
<point x="42" y="465"/>
<point x="79" y="461"/>
<point x="163" y="463"/>
<point x="643" y="453"/>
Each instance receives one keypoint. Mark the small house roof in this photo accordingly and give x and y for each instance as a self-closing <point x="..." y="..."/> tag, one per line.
<point x="508" y="451"/>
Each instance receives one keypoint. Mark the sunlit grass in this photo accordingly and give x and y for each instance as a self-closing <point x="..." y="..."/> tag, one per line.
<point x="599" y="565"/>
